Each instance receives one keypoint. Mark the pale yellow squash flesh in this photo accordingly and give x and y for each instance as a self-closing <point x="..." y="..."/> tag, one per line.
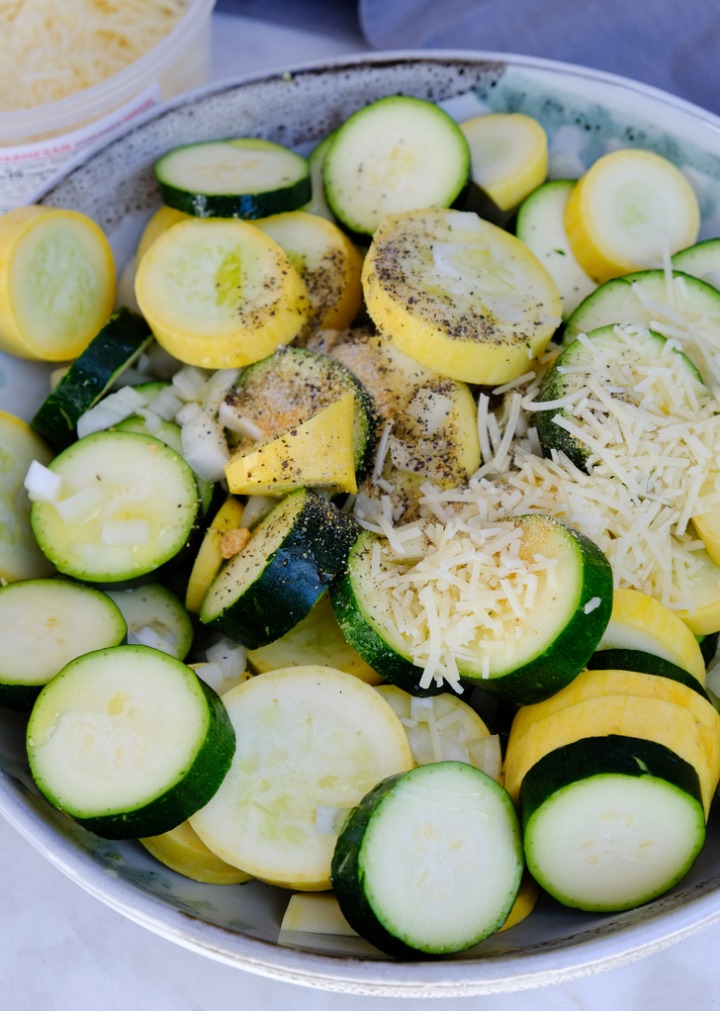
<point x="183" y="851"/>
<point x="210" y="554"/>
<point x="509" y="155"/>
<point x="317" y="453"/>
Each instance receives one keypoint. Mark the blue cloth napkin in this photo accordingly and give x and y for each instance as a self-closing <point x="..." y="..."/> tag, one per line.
<point x="670" y="44"/>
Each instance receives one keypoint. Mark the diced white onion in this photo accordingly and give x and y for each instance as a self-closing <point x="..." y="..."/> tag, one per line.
<point x="229" y="656"/>
<point x="110" y="410"/>
<point x="81" y="507"/>
<point x="125" y="533"/>
<point x="204" y="447"/>
<point x="188" y="383"/>
<point x="166" y="403"/>
<point x="234" y="422"/>
<point x="148" y="636"/>
<point x="41" y="483"/>
<point x="255" y="508"/>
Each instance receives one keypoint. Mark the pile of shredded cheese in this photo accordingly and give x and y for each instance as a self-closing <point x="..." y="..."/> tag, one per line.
<point x="655" y="446"/>
<point x="50" y="49"/>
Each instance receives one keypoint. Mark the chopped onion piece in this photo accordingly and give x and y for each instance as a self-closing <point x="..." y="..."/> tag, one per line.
<point x="81" y="507"/>
<point x="113" y="408"/>
<point x="217" y="387"/>
<point x="237" y="423"/>
<point x="166" y="403"/>
<point x="187" y="412"/>
<point x="230" y="657"/>
<point x="211" y="674"/>
<point x="148" y="636"/>
<point x="189" y="383"/>
<point x="204" y="446"/>
<point x="255" y="508"/>
<point x="41" y="483"/>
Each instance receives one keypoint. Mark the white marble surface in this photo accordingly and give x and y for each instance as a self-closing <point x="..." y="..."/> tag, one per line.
<point x="62" y="950"/>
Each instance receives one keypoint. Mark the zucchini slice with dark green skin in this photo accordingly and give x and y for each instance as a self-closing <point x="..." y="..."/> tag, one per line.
<point x="288" y="387"/>
<point x="242" y="177"/>
<point x="120" y="342"/>
<point x="128" y="505"/>
<point x="46" y="623"/>
<point x="430" y="861"/>
<point x="644" y="663"/>
<point x="634" y="298"/>
<point x="293" y="555"/>
<point x="129" y="742"/>
<point x="616" y="356"/>
<point x="611" y="822"/>
<point x="541" y="652"/>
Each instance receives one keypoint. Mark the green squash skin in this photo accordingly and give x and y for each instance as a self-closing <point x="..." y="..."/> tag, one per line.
<point x="311" y="556"/>
<point x="121" y="340"/>
<point x="347" y="873"/>
<point x="596" y="756"/>
<point x="558" y="665"/>
<point x="200" y="782"/>
<point x="644" y="663"/>
<point x="537" y="679"/>
<point x="391" y="665"/>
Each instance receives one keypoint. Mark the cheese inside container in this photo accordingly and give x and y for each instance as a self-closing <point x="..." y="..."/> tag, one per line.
<point x="75" y="72"/>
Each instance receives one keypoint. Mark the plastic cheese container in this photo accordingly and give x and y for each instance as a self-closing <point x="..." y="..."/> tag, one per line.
<point x="36" y="142"/>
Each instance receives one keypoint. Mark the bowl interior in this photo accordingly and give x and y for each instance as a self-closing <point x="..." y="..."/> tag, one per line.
<point x="586" y="114"/>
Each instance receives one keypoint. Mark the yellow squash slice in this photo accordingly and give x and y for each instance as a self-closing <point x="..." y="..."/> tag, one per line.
<point x="20" y="557"/>
<point x="509" y="155"/>
<point x="460" y="295"/>
<point x="628" y="211"/>
<point x="211" y="553"/>
<point x="220" y="293"/>
<point x="182" y="850"/>
<point x="57" y="282"/>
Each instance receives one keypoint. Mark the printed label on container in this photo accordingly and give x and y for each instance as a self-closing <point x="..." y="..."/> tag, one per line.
<point x="24" y="167"/>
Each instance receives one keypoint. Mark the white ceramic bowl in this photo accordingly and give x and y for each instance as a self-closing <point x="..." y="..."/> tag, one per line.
<point x="586" y="113"/>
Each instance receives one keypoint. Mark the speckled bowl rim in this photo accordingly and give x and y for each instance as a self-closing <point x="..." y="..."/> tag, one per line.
<point x="587" y="953"/>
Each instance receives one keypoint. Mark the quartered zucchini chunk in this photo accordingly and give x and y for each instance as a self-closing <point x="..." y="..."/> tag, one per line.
<point x="460" y="295"/>
<point x="113" y="350"/>
<point x="317" y="453"/>
<point x="292" y="555"/>
<point x="288" y="388"/>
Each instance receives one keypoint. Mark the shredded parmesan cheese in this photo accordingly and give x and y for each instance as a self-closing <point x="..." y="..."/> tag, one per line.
<point x="50" y="49"/>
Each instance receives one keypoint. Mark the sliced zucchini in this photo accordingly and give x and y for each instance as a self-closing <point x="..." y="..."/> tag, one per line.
<point x="47" y="623"/>
<point x="644" y="663"/>
<point x="326" y="260"/>
<point x="516" y="607"/>
<point x="286" y="389"/>
<point x="115" y="348"/>
<point x="220" y="294"/>
<point x="317" y="203"/>
<point x="430" y="862"/>
<point x="311" y="741"/>
<point x="508" y="156"/>
<point x="443" y="728"/>
<point x="618" y="702"/>
<point x="155" y="617"/>
<point x="317" y="640"/>
<point x="317" y="453"/>
<point x="640" y="622"/>
<point x="183" y="851"/>
<point x="541" y="226"/>
<point x="396" y="154"/>
<point x="647" y="298"/>
<point x="632" y="367"/>
<point x="702" y="260"/>
<point x="292" y="556"/>
<point x="128" y="742"/>
<point x="57" y="282"/>
<point x="611" y="822"/>
<point x="460" y="295"/>
<point x="240" y="177"/>
<point x="20" y="557"/>
<point x="128" y="504"/>
<point x="628" y="211"/>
